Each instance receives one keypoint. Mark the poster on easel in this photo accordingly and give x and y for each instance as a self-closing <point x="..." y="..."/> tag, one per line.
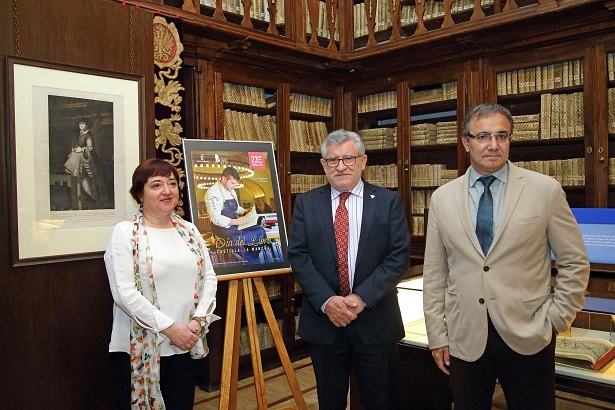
<point x="235" y="202"/>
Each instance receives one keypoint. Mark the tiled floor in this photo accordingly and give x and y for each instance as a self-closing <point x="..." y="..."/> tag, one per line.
<point x="280" y="397"/>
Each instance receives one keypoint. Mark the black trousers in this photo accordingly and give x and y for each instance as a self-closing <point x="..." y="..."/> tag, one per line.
<point x="528" y="381"/>
<point x="374" y="365"/>
<point x="177" y="380"/>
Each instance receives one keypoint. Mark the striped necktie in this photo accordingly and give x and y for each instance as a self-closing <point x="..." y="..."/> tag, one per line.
<point x="341" y="242"/>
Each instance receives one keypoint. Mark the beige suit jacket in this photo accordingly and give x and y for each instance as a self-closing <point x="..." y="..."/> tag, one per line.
<point x="513" y="281"/>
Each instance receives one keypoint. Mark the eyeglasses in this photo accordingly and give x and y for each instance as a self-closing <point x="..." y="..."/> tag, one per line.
<point x="485" y="137"/>
<point x="347" y="160"/>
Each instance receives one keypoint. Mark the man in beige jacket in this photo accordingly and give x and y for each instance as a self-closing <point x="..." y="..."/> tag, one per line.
<point x="488" y="306"/>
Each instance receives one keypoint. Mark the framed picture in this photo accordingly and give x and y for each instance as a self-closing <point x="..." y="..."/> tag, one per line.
<point x="75" y="138"/>
<point x="235" y="202"/>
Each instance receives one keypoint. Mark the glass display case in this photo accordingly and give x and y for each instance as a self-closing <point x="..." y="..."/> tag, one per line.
<point x="596" y="321"/>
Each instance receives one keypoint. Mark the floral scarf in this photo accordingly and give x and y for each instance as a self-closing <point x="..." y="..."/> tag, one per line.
<point x="144" y="348"/>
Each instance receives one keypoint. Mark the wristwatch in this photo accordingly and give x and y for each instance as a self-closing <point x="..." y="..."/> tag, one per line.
<point x="200" y="321"/>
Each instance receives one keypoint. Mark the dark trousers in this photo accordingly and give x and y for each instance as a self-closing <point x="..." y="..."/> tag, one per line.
<point x="177" y="380"/>
<point x="375" y="367"/>
<point x="528" y="381"/>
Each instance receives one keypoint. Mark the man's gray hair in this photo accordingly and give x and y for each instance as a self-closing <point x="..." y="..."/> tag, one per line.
<point x="340" y="136"/>
<point x="485" y="110"/>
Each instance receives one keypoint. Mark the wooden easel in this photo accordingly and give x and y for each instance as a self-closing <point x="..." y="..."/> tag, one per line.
<point x="230" y="360"/>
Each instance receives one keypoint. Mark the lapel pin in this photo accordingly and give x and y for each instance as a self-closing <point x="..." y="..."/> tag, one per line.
<point x="373" y="196"/>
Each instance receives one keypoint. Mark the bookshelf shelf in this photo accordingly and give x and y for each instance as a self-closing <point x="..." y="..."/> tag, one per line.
<point x="249" y="108"/>
<point x="259" y="13"/>
<point x="249" y="113"/>
<point x="414" y="99"/>
<point x="433" y="144"/>
<point x="546" y="102"/>
<point x="309" y="117"/>
<point x="435" y="107"/>
<point x="389" y="113"/>
<point x="434" y="147"/>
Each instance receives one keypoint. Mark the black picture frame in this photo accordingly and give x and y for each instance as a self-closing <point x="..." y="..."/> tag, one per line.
<point x="53" y="217"/>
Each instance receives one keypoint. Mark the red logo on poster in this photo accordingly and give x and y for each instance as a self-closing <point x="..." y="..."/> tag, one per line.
<point x="257" y="160"/>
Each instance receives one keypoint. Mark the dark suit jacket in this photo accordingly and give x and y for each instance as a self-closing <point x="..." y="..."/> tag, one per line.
<point x="382" y="261"/>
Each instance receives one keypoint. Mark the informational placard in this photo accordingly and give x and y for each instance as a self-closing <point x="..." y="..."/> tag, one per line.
<point x="598" y="230"/>
<point x="235" y="202"/>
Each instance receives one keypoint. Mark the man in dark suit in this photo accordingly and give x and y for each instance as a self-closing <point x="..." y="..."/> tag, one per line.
<point x="350" y="314"/>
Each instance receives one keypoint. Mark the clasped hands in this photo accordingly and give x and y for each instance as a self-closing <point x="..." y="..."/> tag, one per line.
<point x="341" y="310"/>
<point x="183" y="335"/>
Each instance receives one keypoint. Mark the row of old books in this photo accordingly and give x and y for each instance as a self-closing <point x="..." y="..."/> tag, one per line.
<point x="435" y="9"/>
<point x="430" y="175"/>
<point x="382" y="16"/>
<point x="444" y="132"/>
<point x="610" y="66"/>
<point x="258" y="11"/>
<point x="308" y="104"/>
<point x="417" y="225"/>
<point x="420" y="199"/>
<point x="446" y="91"/>
<point x="322" y="27"/>
<point x="382" y="175"/>
<point x="265" y="337"/>
<point x="547" y="77"/>
<point x="611" y="97"/>
<point x="245" y="126"/>
<point x="527" y="127"/>
<point x="379" y="138"/>
<point x="306" y="136"/>
<point x="612" y="171"/>
<point x="304" y="182"/>
<point x="273" y="288"/>
<point x="297" y="288"/>
<point x="243" y="94"/>
<point x="561" y="116"/>
<point x="377" y="102"/>
<point x="568" y="172"/>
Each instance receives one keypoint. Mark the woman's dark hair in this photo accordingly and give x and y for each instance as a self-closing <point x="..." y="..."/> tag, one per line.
<point x="150" y="168"/>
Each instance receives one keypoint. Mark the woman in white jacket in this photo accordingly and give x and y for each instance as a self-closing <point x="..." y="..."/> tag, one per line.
<point x="164" y="287"/>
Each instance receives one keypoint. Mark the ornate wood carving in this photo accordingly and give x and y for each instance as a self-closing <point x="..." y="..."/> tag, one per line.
<point x="370" y="14"/>
<point x="313" y="10"/>
<point x="510" y="5"/>
<point x="167" y="58"/>
<point x="420" y="12"/>
<point x="273" y="12"/>
<point x="331" y="16"/>
<point x="448" y="19"/>
<point x="219" y="14"/>
<point x="394" y="8"/>
<point x="247" y="21"/>
<point x="478" y="12"/>
<point x="189" y="6"/>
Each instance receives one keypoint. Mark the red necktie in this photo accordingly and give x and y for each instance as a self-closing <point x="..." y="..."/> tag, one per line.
<point x="341" y="241"/>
